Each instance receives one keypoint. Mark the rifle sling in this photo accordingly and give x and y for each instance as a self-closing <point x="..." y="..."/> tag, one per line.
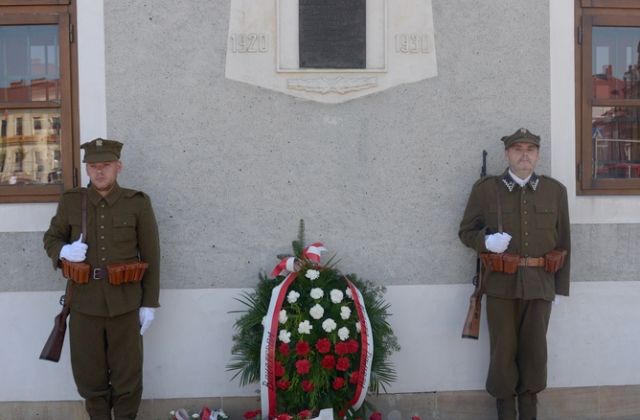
<point x="68" y="292"/>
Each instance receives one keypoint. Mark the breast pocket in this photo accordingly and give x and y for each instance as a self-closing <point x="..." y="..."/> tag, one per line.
<point x="508" y="217"/>
<point x="546" y="217"/>
<point x="124" y="228"/>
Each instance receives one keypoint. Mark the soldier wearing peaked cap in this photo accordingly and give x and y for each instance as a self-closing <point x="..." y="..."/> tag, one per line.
<point x="113" y="306"/>
<point x="519" y="223"/>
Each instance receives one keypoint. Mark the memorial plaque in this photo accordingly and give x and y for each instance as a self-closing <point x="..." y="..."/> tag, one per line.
<point x="333" y="34"/>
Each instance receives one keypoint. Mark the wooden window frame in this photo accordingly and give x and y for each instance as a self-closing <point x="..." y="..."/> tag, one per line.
<point x="63" y="14"/>
<point x="589" y="13"/>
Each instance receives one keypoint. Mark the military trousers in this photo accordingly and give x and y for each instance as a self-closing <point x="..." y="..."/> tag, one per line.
<point x="106" y="359"/>
<point x="518" y="346"/>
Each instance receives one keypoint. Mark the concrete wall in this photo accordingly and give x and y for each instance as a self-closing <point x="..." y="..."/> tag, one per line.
<point x="381" y="180"/>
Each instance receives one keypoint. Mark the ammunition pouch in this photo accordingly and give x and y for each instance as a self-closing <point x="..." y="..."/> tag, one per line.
<point x="77" y="272"/>
<point x="554" y="260"/>
<point x="130" y="272"/>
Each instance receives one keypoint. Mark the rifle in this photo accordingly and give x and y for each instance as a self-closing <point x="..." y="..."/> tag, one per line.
<point x="471" y="327"/>
<point x="53" y="347"/>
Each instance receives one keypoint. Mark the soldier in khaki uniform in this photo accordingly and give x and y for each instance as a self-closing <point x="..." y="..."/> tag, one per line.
<point x="107" y="320"/>
<point x="535" y="221"/>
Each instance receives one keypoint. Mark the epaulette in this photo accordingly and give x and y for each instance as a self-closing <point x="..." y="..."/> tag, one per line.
<point x="132" y="193"/>
<point x="485" y="179"/>
<point x="553" y="180"/>
<point x="75" y="190"/>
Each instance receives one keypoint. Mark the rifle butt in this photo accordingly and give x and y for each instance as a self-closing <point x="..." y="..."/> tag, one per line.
<point x="471" y="327"/>
<point x="53" y="347"/>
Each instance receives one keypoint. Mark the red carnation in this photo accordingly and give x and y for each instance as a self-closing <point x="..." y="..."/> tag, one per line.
<point x="305" y="414"/>
<point x="339" y="383"/>
<point x="307" y="386"/>
<point x="283" y="384"/>
<point x="279" y="369"/>
<point x="343" y="364"/>
<point x="328" y="361"/>
<point x="342" y="348"/>
<point x="353" y="379"/>
<point x="303" y="366"/>
<point x="323" y="345"/>
<point x="283" y="349"/>
<point x="415" y="417"/>
<point x="376" y="416"/>
<point x="353" y="346"/>
<point x="302" y="348"/>
<point x="251" y="414"/>
<point x="284" y="417"/>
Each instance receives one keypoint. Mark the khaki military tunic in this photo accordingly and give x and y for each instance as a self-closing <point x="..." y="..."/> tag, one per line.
<point x="120" y="227"/>
<point x="537" y="218"/>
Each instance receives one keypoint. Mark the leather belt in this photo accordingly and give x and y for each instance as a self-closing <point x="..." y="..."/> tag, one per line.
<point x="98" y="273"/>
<point x="531" y="262"/>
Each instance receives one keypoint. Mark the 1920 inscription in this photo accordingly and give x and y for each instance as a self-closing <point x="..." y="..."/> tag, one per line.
<point x="249" y="43"/>
<point x="332" y="34"/>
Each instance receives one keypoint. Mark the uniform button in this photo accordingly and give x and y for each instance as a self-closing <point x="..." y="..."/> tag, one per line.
<point x="524" y="201"/>
<point x="525" y="222"/>
<point x="101" y="226"/>
<point x="526" y="244"/>
<point x="526" y="234"/>
<point x="101" y="236"/>
<point x="103" y="259"/>
<point x="102" y="216"/>
<point x="102" y="205"/>
<point x="526" y="212"/>
<point x="102" y="248"/>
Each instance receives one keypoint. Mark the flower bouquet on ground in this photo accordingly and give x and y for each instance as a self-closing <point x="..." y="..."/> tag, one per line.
<point x="314" y="338"/>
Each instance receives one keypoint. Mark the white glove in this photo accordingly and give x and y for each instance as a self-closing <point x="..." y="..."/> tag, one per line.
<point x="498" y="242"/>
<point x="556" y="300"/>
<point x="74" y="252"/>
<point x="146" y="318"/>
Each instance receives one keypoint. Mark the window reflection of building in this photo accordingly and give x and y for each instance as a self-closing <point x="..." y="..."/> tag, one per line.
<point x="30" y="147"/>
<point x="615" y="129"/>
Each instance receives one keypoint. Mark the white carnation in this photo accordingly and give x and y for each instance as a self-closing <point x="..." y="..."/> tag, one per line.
<point x="358" y="327"/>
<point x="345" y="312"/>
<point x="343" y="333"/>
<point x="312" y="274"/>
<point x="317" y="293"/>
<point x="329" y="325"/>
<point x="348" y="293"/>
<point x="293" y="296"/>
<point x="284" y="336"/>
<point x="283" y="316"/>
<point x="316" y="311"/>
<point x="305" y="327"/>
<point x="336" y="296"/>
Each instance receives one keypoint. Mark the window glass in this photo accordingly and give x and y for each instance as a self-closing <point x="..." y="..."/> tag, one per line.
<point x="615" y="62"/>
<point x="29" y="155"/>
<point x="29" y="63"/>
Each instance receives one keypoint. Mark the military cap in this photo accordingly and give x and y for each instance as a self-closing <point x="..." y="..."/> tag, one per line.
<point x="101" y="150"/>
<point x="521" y="135"/>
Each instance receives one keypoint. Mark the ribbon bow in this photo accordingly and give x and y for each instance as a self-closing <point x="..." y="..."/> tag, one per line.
<point x="312" y="252"/>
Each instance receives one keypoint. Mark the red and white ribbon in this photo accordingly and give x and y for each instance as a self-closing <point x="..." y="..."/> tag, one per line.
<point x="366" y="348"/>
<point x="313" y="252"/>
<point x="268" y="347"/>
<point x="285" y="266"/>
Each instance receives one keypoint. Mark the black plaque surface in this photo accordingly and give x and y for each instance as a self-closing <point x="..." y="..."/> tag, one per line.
<point x="333" y="34"/>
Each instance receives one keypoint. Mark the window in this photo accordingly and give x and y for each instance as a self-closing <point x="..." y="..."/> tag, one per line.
<point x="38" y="144"/>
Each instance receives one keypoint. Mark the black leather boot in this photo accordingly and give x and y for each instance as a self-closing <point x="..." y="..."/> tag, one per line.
<point x="527" y="406"/>
<point x="506" y="408"/>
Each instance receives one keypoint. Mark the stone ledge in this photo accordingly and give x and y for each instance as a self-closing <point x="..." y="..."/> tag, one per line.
<point x="587" y="403"/>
